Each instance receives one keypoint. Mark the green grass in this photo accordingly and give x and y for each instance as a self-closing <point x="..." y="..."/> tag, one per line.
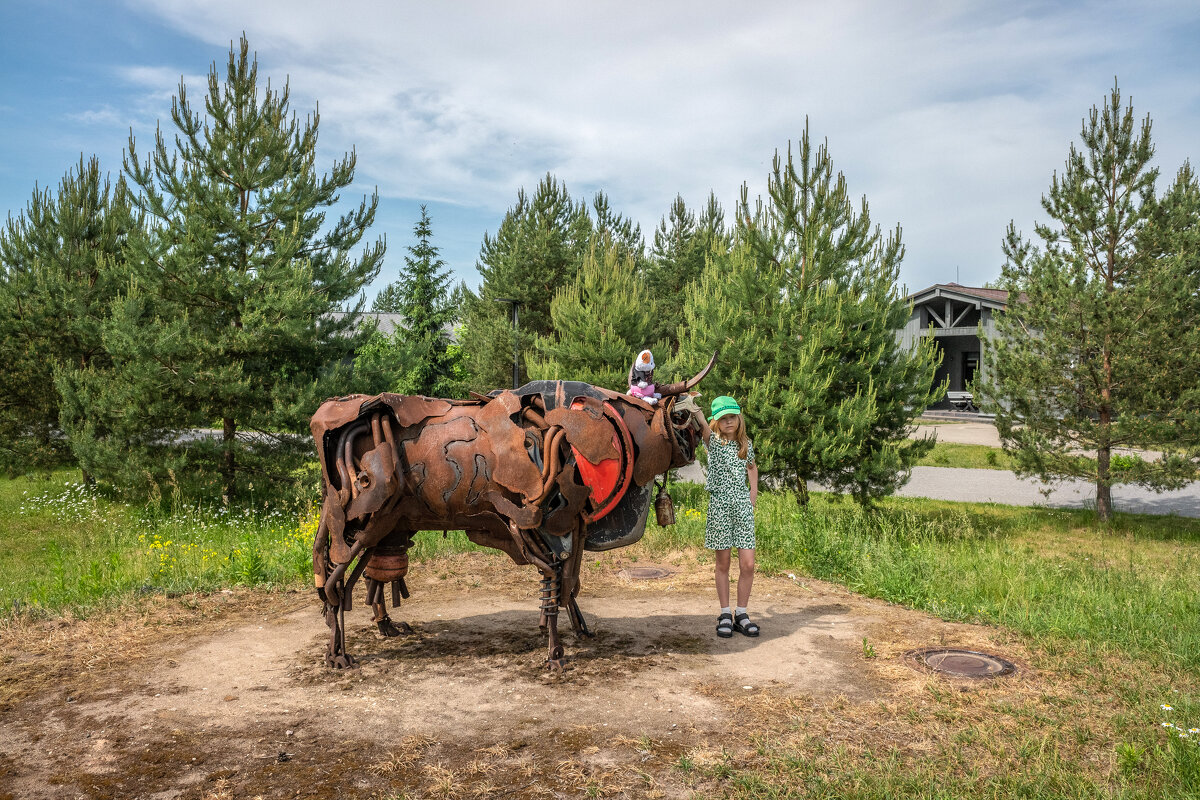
<point x="967" y="456"/>
<point x="70" y="547"/>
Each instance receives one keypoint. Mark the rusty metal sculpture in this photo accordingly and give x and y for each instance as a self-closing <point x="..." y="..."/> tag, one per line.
<point x="543" y="473"/>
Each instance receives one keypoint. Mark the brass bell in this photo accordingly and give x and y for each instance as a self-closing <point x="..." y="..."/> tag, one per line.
<point x="664" y="509"/>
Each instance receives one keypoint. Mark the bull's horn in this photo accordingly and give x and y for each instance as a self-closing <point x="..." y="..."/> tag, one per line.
<point x="684" y="386"/>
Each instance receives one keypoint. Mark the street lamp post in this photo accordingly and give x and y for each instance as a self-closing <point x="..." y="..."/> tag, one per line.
<point x="516" y="368"/>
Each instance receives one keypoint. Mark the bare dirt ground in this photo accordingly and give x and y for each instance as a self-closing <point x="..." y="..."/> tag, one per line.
<point x="227" y="695"/>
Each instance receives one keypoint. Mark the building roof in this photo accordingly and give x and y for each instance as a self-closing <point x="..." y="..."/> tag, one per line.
<point x="993" y="298"/>
<point x="388" y="323"/>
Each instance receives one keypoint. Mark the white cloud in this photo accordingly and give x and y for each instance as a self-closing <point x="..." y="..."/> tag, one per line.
<point x="102" y="115"/>
<point x="948" y="116"/>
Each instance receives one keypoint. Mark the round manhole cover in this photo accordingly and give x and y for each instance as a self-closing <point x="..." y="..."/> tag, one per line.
<point x="644" y="573"/>
<point x="963" y="663"/>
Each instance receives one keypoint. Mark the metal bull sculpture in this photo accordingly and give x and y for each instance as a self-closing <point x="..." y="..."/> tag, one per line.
<point x="543" y="473"/>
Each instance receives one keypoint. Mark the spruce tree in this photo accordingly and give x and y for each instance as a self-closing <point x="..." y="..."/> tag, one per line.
<point x="1098" y="347"/>
<point x="388" y="300"/>
<point x="537" y="249"/>
<point x="601" y="321"/>
<point x="62" y="262"/>
<point x="804" y="311"/>
<point x="420" y="296"/>
<point x="227" y="321"/>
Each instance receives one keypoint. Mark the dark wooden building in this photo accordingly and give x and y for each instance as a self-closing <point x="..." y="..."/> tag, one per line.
<point x="956" y="316"/>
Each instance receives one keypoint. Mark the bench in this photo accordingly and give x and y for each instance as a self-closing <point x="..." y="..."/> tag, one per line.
<point x="961" y="401"/>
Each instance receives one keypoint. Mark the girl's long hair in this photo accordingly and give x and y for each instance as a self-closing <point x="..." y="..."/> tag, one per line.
<point x="739" y="435"/>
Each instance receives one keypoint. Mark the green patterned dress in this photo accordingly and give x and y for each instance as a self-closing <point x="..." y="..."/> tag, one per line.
<point x="730" y="520"/>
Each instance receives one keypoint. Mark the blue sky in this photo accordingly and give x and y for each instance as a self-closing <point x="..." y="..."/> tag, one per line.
<point x="950" y="117"/>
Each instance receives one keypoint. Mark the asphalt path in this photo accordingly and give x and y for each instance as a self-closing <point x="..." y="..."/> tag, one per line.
<point x="1002" y="486"/>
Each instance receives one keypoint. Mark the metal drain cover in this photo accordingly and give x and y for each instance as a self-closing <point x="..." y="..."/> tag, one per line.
<point x="644" y="573"/>
<point x="963" y="663"/>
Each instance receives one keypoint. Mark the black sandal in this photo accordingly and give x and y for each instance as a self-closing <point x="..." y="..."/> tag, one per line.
<point x="725" y="626"/>
<point x="744" y="626"/>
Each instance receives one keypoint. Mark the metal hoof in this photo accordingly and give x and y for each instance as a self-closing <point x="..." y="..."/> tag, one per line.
<point x="345" y="661"/>
<point x="389" y="628"/>
<point x="556" y="664"/>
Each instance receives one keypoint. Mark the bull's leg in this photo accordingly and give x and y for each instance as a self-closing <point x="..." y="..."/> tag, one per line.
<point x="571" y="583"/>
<point x="576" y="617"/>
<point x="551" y="568"/>
<point x="551" y="586"/>
<point x="375" y="598"/>
<point x="337" y="601"/>
<point x="335" y="617"/>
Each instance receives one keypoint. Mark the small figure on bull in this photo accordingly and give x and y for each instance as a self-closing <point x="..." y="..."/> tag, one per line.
<point x="641" y="378"/>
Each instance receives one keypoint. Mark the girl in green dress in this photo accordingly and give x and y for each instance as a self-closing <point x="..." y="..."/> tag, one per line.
<point x="732" y="495"/>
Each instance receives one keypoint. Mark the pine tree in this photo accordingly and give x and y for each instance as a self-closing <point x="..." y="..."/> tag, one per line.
<point x="611" y="230"/>
<point x="682" y="244"/>
<point x="1100" y="350"/>
<point x="419" y="295"/>
<point x="804" y="311"/>
<point x="227" y="320"/>
<point x="537" y="249"/>
<point x="63" y="262"/>
<point x="601" y="321"/>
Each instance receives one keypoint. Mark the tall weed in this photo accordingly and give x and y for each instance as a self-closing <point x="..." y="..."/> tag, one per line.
<point x="76" y="547"/>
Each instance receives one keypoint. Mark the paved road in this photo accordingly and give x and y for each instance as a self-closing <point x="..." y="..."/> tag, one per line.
<point x="996" y="486"/>
<point x="967" y="432"/>
<point x="1001" y="486"/>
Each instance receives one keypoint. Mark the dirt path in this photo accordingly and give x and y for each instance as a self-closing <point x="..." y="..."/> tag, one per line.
<point x="460" y="708"/>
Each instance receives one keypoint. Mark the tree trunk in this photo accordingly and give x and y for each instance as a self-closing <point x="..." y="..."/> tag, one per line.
<point x="801" y="492"/>
<point x="1103" y="486"/>
<point x="228" y="471"/>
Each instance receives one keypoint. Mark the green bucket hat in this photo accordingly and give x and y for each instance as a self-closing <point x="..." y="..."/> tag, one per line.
<point x="724" y="405"/>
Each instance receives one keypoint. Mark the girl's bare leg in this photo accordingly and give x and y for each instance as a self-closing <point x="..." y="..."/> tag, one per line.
<point x="723" y="577"/>
<point x="745" y="577"/>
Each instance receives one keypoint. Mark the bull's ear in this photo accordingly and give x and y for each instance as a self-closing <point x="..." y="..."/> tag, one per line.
<point x="684" y="386"/>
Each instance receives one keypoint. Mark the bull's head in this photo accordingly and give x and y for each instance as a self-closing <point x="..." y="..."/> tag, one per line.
<point x="687" y="419"/>
<point x="666" y="439"/>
